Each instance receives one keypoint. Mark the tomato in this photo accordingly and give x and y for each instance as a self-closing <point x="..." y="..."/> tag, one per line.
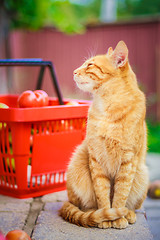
<point x="38" y="98"/>
<point x="74" y="103"/>
<point x="27" y="99"/>
<point x="42" y="97"/>
<point x="17" y="235"/>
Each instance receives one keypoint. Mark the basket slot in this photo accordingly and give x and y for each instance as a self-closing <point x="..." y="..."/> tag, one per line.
<point x="6" y="149"/>
<point x="14" y="183"/>
<point x="56" y="126"/>
<point x="49" y="124"/>
<point x="48" y="178"/>
<point x="60" y="177"/>
<point x="8" y="164"/>
<point x="7" y="140"/>
<point x="42" y="179"/>
<point x="3" y="139"/>
<point x="8" y="180"/>
<point x="57" y="179"/>
<point x="51" y="180"/>
<point x="40" y="128"/>
<point x="44" y="128"/>
<point x="33" y="181"/>
<point x="8" y="161"/>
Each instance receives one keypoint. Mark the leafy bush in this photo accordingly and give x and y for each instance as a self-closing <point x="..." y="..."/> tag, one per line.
<point x="65" y="16"/>
<point x="153" y="137"/>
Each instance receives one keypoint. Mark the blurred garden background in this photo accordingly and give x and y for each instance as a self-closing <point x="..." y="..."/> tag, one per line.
<point x="67" y="32"/>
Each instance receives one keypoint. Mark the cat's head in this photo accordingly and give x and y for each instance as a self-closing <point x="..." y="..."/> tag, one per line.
<point x="101" y="68"/>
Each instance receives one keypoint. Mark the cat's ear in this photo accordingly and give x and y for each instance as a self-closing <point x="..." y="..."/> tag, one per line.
<point x="120" y="55"/>
<point x="110" y="51"/>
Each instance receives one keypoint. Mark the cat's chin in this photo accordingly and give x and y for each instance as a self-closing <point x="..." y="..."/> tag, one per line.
<point x="85" y="86"/>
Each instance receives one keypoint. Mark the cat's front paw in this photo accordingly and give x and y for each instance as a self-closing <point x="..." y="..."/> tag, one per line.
<point x="120" y="223"/>
<point x="106" y="224"/>
<point x="131" y="217"/>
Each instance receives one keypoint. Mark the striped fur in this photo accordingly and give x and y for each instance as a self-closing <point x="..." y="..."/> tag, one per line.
<point x="107" y="172"/>
<point x="90" y="218"/>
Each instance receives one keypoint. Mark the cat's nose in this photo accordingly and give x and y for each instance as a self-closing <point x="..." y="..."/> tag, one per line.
<point x="75" y="72"/>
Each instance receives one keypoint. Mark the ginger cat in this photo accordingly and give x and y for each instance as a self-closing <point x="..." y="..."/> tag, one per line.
<point x="107" y="177"/>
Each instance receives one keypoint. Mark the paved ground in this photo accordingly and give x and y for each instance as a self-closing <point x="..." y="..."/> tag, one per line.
<point x="39" y="218"/>
<point x="152" y="208"/>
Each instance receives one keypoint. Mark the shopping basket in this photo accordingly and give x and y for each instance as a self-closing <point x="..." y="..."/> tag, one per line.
<point x="37" y="143"/>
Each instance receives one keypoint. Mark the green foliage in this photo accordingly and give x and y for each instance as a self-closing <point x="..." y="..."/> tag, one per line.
<point x="130" y="8"/>
<point x="23" y="13"/>
<point x="64" y="15"/>
<point x="69" y="17"/>
<point x="153" y="137"/>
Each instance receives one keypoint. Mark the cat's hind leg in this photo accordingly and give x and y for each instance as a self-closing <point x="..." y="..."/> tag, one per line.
<point x="79" y="183"/>
<point x="138" y="193"/>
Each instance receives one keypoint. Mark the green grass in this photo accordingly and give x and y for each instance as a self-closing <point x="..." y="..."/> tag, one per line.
<point x="153" y="137"/>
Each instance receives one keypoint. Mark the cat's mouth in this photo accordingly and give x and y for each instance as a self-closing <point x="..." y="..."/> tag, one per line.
<point x="80" y="81"/>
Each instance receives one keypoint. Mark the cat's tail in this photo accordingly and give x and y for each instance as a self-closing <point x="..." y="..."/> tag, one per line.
<point x="91" y="218"/>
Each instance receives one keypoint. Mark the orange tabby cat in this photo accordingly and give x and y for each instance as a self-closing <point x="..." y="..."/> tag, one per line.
<point x="107" y="177"/>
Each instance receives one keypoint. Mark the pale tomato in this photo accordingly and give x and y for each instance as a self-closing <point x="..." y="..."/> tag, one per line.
<point x="74" y="103"/>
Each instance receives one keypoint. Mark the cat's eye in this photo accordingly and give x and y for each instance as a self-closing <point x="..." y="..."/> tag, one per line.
<point x="90" y="64"/>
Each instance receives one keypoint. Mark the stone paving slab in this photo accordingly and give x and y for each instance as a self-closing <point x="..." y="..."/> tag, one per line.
<point x="11" y="220"/>
<point x="50" y="226"/>
<point x="152" y="208"/>
<point x="13" y="213"/>
<point x="5" y="199"/>
<point x="55" y="197"/>
<point x="155" y="229"/>
<point x="153" y="213"/>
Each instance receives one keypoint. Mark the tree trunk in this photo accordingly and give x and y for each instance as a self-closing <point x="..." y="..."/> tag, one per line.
<point x="5" y="42"/>
<point x="108" y="11"/>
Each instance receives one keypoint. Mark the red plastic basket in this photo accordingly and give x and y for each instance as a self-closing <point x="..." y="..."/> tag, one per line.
<point x="36" y="145"/>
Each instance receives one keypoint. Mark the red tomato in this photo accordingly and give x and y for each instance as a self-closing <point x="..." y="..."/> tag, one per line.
<point x="17" y="235"/>
<point x="42" y="98"/>
<point x="28" y="99"/>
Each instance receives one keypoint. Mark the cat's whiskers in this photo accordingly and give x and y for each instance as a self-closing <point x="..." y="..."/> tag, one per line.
<point x="91" y="52"/>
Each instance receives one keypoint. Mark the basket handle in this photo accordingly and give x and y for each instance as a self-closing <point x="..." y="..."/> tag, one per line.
<point x="36" y="62"/>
